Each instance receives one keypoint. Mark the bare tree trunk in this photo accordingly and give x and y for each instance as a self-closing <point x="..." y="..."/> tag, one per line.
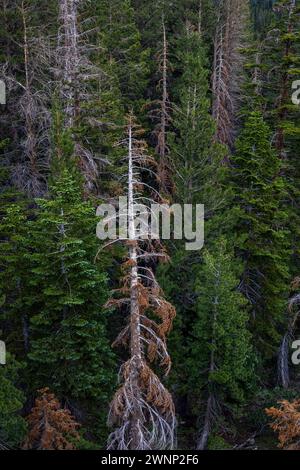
<point x="284" y="95"/>
<point x="210" y="413"/>
<point x="200" y="13"/>
<point x="203" y="439"/>
<point x="227" y="68"/>
<point x="75" y="71"/>
<point x="142" y="408"/>
<point x="283" y="362"/>
<point x="161" y="130"/>
<point x="69" y="58"/>
<point x="135" y="325"/>
<point x="29" y="125"/>
<point x="283" y="369"/>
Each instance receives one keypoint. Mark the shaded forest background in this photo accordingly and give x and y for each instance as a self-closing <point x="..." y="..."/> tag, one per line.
<point x="206" y="88"/>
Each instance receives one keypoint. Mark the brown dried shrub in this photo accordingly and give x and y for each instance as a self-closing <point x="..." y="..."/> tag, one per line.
<point x="286" y="422"/>
<point x="51" y="427"/>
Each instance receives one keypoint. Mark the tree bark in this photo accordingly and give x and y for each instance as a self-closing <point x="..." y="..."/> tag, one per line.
<point x="135" y="326"/>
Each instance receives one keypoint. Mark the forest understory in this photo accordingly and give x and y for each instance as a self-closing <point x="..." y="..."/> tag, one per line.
<point x="135" y="342"/>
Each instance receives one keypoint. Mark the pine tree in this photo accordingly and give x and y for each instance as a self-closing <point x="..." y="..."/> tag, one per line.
<point x="199" y="178"/>
<point x="69" y="346"/>
<point x="260" y="192"/>
<point x="195" y="156"/>
<point x="14" y="284"/>
<point x="221" y="369"/>
<point x="122" y="41"/>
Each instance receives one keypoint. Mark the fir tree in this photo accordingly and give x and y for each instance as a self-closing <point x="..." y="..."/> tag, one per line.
<point x="13" y="273"/>
<point x="196" y="157"/>
<point x="280" y="68"/>
<point x="121" y="39"/>
<point x="199" y="178"/>
<point x="69" y="346"/>
<point x="264" y="241"/>
<point x="221" y="368"/>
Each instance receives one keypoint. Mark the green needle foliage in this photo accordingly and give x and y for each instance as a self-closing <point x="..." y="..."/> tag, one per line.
<point x="12" y="425"/>
<point x="68" y="326"/>
<point x="222" y="359"/>
<point x="260" y="192"/>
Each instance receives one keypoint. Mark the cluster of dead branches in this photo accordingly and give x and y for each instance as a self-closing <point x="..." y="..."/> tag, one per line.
<point x="227" y="68"/>
<point x="77" y="77"/>
<point x="142" y="409"/>
<point x="29" y="101"/>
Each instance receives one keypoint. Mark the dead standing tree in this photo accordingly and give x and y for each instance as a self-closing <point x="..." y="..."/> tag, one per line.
<point x="69" y="58"/>
<point x="231" y="22"/>
<point x="286" y="77"/>
<point x="163" y="118"/>
<point x="142" y="409"/>
<point x="77" y="77"/>
<point x="30" y="105"/>
<point x="212" y="409"/>
<point x="283" y="363"/>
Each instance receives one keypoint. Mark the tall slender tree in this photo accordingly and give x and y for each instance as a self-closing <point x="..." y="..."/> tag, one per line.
<point x="221" y="352"/>
<point x="142" y="408"/>
<point x="27" y="84"/>
<point x="231" y="24"/>
<point x="68" y="321"/>
<point x="265" y="241"/>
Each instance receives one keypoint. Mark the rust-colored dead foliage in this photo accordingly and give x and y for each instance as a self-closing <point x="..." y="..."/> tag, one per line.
<point x="142" y="411"/>
<point x="51" y="427"/>
<point x="286" y="422"/>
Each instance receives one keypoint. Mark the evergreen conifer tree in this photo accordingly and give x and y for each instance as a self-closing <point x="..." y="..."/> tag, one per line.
<point x="221" y="365"/>
<point x="264" y="244"/>
<point x="12" y="425"/>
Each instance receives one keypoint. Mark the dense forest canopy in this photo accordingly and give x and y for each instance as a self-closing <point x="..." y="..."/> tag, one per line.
<point x="139" y="343"/>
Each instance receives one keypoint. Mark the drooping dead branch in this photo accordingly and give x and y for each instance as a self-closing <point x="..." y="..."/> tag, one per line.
<point x="75" y="72"/>
<point x="142" y="410"/>
<point x="29" y="159"/>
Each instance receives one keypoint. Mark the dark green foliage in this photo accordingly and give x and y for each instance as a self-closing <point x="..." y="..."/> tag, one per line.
<point x="54" y="294"/>
<point x="232" y="296"/>
<point x="68" y="324"/>
<point x="195" y="156"/>
<point x="121" y="39"/>
<point x="12" y="425"/>
<point x="222" y="359"/>
<point x="264" y="240"/>
<point x="262" y="14"/>
<point x="13" y="275"/>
